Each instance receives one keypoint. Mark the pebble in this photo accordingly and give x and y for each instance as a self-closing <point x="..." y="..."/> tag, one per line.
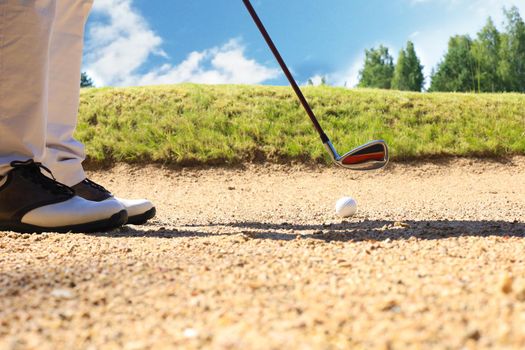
<point x="506" y="284"/>
<point x="62" y="294"/>
<point x="190" y="333"/>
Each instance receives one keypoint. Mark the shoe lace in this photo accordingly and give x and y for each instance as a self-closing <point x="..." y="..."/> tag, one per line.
<point x="33" y="171"/>
<point x="96" y="186"/>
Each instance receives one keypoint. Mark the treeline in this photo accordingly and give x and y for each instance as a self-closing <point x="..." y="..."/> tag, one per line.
<point x="492" y="62"/>
<point x="380" y="72"/>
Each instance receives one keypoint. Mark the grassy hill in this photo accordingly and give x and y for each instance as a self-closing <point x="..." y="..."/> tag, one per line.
<point x="195" y="124"/>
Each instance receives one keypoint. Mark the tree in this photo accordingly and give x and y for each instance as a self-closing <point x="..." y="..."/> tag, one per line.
<point x="408" y="74"/>
<point x="378" y="70"/>
<point x="486" y="52"/>
<point x="512" y="53"/>
<point x="400" y="79"/>
<point x="456" y="72"/>
<point x="86" y="81"/>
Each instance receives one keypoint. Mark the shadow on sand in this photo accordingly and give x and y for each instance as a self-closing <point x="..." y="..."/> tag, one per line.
<point x="346" y="231"/>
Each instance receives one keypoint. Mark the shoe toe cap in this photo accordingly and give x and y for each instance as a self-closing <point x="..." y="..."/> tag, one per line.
<point x="136" y="207"/>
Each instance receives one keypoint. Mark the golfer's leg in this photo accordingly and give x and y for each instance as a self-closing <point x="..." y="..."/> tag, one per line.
<point x="25" y="28"/>
<point x="29" y="200"/>
<point x="64" y="154"/>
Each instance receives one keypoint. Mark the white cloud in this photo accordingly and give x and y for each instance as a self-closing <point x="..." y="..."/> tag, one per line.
<point x="121" y="43"/>
<point x="227" y="65"/>
<point x="348" y="77"/>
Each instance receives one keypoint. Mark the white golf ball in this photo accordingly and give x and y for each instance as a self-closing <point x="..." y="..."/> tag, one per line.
<point x="345" y="207"/>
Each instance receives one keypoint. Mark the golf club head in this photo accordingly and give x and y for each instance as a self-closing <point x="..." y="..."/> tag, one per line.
<point x="371" y="156"/>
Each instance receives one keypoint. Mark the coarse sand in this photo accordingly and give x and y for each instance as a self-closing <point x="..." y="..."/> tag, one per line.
<point x="255" y="258"/>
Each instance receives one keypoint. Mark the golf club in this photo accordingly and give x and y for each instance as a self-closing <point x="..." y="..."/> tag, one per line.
<point x="370" y="156"/>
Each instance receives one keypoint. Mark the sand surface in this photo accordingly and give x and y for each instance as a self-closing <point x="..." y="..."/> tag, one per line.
<point x="255" y="258"/>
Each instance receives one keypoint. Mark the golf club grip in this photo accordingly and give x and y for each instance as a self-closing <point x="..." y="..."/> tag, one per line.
<point x="285" y="69"/>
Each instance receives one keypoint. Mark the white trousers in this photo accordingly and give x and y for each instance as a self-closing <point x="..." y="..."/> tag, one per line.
<point x="40" y="61"/>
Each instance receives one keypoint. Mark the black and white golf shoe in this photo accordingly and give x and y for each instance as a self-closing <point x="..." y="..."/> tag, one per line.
<point x="33" y="202"/>
<point x="139" y="210"/>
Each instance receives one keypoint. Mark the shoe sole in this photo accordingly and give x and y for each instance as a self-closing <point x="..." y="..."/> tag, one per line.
<point x="142" y="218"/>
<point x="114" y="221"/>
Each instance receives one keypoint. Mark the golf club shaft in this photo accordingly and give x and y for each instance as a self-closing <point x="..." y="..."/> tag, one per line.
<point x="286" y="71"/>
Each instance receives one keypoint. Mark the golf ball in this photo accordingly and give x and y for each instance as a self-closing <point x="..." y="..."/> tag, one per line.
<point x="345" y="207"/>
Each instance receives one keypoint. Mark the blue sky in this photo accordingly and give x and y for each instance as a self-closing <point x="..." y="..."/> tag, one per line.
<point x="147" y="42"/>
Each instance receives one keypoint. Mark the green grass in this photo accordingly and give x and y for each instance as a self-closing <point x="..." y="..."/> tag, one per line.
<point x="215" y="125"/>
